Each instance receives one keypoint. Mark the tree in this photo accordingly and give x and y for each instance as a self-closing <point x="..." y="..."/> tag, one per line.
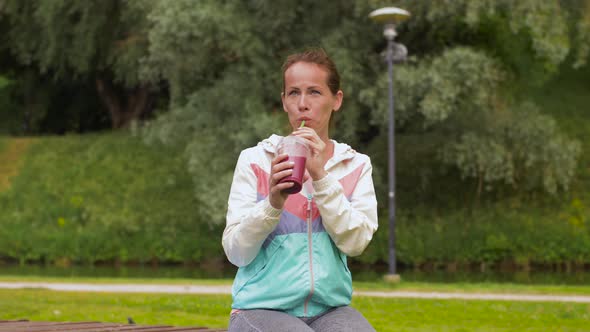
<point x="453" y="91"/>
<point x="222" y="61"/>
<point x="6" y="120"/>
<point x="98" y="41"/>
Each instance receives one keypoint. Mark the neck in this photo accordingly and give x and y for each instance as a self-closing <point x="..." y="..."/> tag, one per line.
<point x="329" y="151"/>
<point x="324" y="136"/>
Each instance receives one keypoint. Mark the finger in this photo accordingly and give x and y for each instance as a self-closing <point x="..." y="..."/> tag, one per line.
<point x="317" y="147"/>
<point x="301" y="131"/>
<point x="282" y="166"/>
<point x="278" y="188"/>
<point x="305" y="129"/>
<point x="279" y="158"/>
<point x="305" y="132"/>
<point x="309" y="137"/>
<point x="317" y="143"/>
<point x="280" y="175"/>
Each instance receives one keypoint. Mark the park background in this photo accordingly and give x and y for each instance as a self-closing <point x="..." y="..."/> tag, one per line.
<point x="121" y="122"/>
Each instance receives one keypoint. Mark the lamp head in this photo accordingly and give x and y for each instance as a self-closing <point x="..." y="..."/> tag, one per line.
<point x="389" y="15"/>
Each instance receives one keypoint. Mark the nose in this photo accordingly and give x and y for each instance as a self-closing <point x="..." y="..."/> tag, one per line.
<point x="302" y="103"/>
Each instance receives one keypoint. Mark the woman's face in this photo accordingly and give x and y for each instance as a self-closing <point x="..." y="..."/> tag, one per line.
<point x="308" y="97"/>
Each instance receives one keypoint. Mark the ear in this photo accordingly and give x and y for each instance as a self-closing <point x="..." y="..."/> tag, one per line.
<point x="338" y="100"/>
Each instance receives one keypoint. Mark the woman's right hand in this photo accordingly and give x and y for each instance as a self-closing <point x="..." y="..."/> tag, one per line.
<point x="279" y="169"/>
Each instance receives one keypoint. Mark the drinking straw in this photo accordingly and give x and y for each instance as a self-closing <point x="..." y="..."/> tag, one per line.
<point x="302" y="124"/>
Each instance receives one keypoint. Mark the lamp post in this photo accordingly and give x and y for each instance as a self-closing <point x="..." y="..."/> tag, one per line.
<point x="390" y="17"/>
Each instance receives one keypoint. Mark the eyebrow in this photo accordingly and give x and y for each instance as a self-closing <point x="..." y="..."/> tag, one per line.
<point x="317" y="87"/>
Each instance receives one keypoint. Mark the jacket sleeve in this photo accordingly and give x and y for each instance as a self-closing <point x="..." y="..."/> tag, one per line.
<point x="351" y="224"/>
<point x="248" y="222"/>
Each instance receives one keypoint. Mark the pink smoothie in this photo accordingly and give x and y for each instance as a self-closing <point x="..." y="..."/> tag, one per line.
<point x="297" y="176"/>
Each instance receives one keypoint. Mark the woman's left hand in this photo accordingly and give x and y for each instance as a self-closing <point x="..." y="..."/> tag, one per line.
<point x="317" y="157"/>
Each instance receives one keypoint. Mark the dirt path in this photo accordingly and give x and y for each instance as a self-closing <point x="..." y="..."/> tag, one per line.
<point x="209" y="289"/>
<point x="10" y="159"/>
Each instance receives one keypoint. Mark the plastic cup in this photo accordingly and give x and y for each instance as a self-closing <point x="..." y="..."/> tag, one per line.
<point x="297" y="151"/>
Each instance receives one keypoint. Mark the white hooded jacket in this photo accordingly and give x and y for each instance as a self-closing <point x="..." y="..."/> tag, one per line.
<point x="294" y="259"/>
<point x="345" y="199"/>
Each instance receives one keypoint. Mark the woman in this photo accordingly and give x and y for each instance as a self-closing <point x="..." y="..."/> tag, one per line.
<point x="291" y="249"/>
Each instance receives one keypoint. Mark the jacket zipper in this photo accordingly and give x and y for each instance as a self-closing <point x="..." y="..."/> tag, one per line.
<point x="309" y="246"/>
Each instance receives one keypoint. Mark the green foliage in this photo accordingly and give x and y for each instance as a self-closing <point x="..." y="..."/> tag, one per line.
<point x="429" y="92"/>
<point x="8" y="118"/>
<point x="565" y="99"/>
<point x="480" y="158"/>
<point x="455" y="94"/>
<point x="71" y="38"/>
<point x="521" y="237"/>
<point x="446" y="90"/>
<point x="4" y="82"/>
<point x="90" y="51"/>
<point x="192" y="43"/>
<point x="580" y="27"/>
<point x="540" y="29"/>
<point x="220" y="62"/>
<point x="524" y="150"/>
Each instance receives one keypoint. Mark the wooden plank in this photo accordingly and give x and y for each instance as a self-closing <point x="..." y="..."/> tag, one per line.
<point x="52" y="326"/>
<point x="147" y="328"/>
<point x="28" y="326"/>
<point x="7" y="326"/>
<point x="161" y="329"/>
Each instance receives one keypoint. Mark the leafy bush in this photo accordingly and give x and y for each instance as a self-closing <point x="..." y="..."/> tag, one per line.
<point x="523" y="150"/>
<point x="494" y="235"/>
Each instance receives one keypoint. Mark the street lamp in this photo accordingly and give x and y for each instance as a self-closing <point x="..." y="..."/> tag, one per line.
<point x="390" y="17"/>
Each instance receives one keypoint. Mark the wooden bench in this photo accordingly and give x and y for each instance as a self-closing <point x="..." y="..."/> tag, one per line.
<point x="28" y="326"/>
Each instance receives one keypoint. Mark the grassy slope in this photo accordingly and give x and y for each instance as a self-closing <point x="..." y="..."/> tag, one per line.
<point x="100" y="197"/>
<point x="11" y="154"/>
<point x="213" y="311"/>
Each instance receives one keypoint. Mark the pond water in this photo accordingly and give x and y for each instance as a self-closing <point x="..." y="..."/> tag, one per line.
<point x="548" y="277"/>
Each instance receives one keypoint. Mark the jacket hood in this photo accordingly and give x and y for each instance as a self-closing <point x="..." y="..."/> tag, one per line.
<point x="341" y="151"/>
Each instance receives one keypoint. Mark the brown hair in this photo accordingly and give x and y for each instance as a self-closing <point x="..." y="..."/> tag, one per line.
<point x="319" y="57"/>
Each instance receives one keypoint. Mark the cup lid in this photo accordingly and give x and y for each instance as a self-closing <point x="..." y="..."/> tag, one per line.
<point x="293" y="140"/>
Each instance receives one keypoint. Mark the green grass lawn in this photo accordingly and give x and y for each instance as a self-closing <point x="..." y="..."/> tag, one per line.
<point x="213" y="311"/>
